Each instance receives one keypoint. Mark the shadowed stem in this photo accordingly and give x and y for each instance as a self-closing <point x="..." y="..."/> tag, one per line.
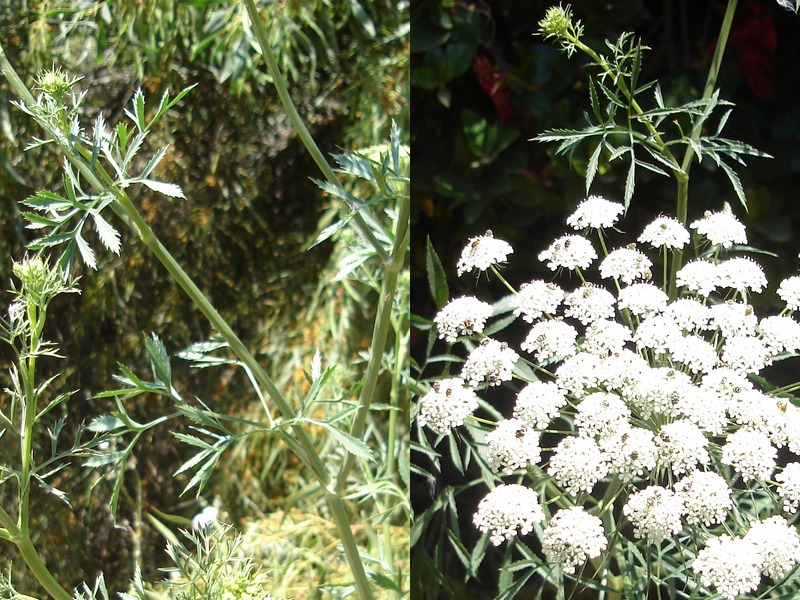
<point x="682" y="207"/>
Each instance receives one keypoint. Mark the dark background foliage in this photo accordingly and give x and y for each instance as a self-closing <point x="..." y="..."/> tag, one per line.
<point x="483" y="85"/>
<point x="250" y="209"/>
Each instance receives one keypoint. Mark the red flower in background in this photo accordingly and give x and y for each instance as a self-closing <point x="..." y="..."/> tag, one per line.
<point x="491" y="81"/>
<point x="756" y="41"/>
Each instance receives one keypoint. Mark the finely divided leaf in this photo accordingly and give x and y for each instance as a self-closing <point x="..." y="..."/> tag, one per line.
<point x="168" y="189"/>
<point x="87" y="254"/>
<point x="108" y="235"/>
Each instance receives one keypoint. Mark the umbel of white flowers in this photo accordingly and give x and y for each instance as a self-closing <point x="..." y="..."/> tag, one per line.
<point x="639" y="385"/>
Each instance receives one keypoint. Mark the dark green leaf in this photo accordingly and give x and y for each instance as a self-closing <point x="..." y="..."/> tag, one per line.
<point x="436" y="277"/>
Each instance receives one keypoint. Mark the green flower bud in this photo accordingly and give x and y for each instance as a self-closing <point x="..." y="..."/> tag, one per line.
<point x="55" y="83"/>
<point x="40" y="281"/>
<point x="556" y="22"/>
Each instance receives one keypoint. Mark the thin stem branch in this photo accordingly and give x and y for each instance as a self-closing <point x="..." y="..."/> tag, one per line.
<point x="297" y="122"/>
<point x="682" y="204"/>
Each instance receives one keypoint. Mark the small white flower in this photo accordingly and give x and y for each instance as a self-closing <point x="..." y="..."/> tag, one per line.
<point x="656" y="333"/>
<point x="595" y="212"/>
<point x="755" y="410"/>
<point x="726" y="382"/>
<point x="706" y="497"/>
<point x="538" y="403"/>
<point x="750" y="453"/>
<point x="642" y="299"/>
<point x="792" y="425"/>
<point x="706" y="408"/>
<point x="569" y="252"/>
<point x="731" y="565"/>
<point x="572" y="536"/>
<point x="682" y="447"/>
<point x="508" y="510"/>
<point x="780" y="334"/>
<point x="590" y="303"/>
<point x="778" y="544"/>
<point x="536" y="299"/>
<point x="789" y="292"/>
<point x="689" y="314"/>
<point x="482" y="252"/>
<point x="746" y="354"/>
<point x="462" y="316"/>
<point x="549" y="340"/>
<point x="511" y="446"/>
<point x="577" y="464"/>
<point x="721" y="228"/>
<point x="446" y="405"/>
<point x="655" y="513"/>
<point x="601" y="414"/>
<point x="205" y="518"/>
<point x="789" y="488"/>
<point x="659" y="390"/>
<point x="621" y="369"/>
<point x="625" y="264"/>
<point x="694" y="352"/>
<point x="579" y="373"/>
<point x="631" y="453"/>
<point x="491" y="362"/>
<point x="698" y="276"/>
<point x="665" y="231"/>
<point x="605" y="337"/>
<point x="733" y="318"/>
<point x="741" y="274"/>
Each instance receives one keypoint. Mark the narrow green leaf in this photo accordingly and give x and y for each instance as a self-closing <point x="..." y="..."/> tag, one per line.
<point x="594" y="101"/>
<point x="105" y="458"/>
<point x="138" y="103"/>
<point x="437" y="279"/>
<point x="105" y="423"/>
<point x="735" y="182"/>
<point x="630" y="182"/>
<point x="352" y="445"/>
<point x="591" y="167"/>
<point x="159" y="359"/>
<point x="108" y="235"/>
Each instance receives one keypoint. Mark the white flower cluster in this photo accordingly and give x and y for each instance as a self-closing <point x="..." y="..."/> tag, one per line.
<point x="508" y="510"/>
<point x="654" y="397"/>
<point x="462" y="316"/>
<point x="734" y="566"/>
<point x="572" y="536"/>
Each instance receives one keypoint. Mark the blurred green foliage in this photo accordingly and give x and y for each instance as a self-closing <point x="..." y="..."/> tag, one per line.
<point x="241" y="234"/>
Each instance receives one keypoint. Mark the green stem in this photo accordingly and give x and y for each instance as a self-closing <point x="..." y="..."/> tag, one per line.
<point x="40" y="570"/>
<point x="623" y="87"/>
<point x="297" y="121"/>
<point x="379" y="335"/>
<point x="682" y="208"/>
